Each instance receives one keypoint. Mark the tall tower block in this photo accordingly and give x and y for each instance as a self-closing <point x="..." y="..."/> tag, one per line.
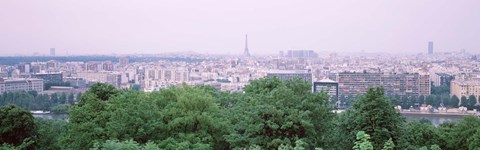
<point x="430" y="48"/>
<point x="52" y="51"/>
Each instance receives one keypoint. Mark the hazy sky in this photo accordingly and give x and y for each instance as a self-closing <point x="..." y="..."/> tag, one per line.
<point x="219" y="26"/>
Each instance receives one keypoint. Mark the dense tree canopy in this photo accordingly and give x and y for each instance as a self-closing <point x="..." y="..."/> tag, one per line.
<point x="416" y="135"/>
<point x="363" y="142"/>
<point x="438" y="90"/>
<point x="274" y="112"/>
<point x="373" y="114"/>
<point x="179" y="115"/>
<point x="16" y="125"/>
<point x="270" y="114"/>
<point x="465" y="133"/>
<point x="88" y="119"/>
<point x="48" y="133"/>
<point x="34" y="101"/>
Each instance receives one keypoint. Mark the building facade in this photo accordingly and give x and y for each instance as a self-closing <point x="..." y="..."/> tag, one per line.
<point x="20" y="84"/>
<point x="52" y="51"/>
<point x="123" y="60"/>
<point x="430" y="48"/>
<point x="161" y="77"/>
<point x="357" y="83"/>
<point x="305" y="75"/>
<point x="24" y="67"/>
<point x="442" y="79"/>
<point x="49" y="77"/>
<point x="465" y="88"/>
<point x="328" y="86"/>
<point x="394" y="84"/>
<point x="112" y="78"/>
<point x="300" y="54"/>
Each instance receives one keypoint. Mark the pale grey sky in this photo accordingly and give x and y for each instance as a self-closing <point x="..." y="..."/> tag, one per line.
<point x="219" y="26"/>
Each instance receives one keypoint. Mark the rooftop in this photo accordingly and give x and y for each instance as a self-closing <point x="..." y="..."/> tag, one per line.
<point x="288" y="71"/>
<point x="53" y="73"/>
<point x="326" y="80"/>
<point x="12" y="80"/>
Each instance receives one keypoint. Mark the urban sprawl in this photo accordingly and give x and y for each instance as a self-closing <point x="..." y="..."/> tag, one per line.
<point x="343" y="77"/>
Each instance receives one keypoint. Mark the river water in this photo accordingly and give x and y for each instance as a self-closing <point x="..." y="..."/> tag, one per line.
<point x="436" y="119"/>
<point x="52" y="116"/>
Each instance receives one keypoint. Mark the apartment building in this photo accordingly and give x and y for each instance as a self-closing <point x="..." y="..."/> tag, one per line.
<point x="396" y="84"/>
<point x="20" y="84"/>
<point x="159" y="77"/>
<point x="465" y="88"/>
<point x="305" y="75"/>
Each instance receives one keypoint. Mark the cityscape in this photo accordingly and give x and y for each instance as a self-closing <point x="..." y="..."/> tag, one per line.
<point x="151" y="75"/>
<point x="343" y="77"/>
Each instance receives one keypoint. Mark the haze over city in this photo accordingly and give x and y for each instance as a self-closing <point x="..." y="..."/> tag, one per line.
<point x="247" y="74"/>
<point x="219" y="27"/>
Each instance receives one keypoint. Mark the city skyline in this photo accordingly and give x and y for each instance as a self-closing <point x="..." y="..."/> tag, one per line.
<point x="213" y="74"/>
<point x="217" y="27"/>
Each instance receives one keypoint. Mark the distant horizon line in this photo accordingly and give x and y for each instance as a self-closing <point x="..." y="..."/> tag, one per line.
<point x="230" y="54"/>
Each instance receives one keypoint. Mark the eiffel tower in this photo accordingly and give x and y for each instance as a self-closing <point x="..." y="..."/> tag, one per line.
<point x="245" y="52"/>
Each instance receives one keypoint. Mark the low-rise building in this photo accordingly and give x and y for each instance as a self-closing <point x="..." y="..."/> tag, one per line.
<point x="465" y="88"/>
<point x="20" y="84"/>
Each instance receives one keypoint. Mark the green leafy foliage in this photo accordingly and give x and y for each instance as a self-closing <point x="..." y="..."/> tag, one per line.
<point x="274" y="112"/>
<point x="464" y="134"/>
<point x="192" y="116"/>
<point x="132" y="115"/>
<point x="436" y="147"/>
<point x="88" y="119"/>
<point x="48" y="132"/>
<point x="374" y="114"/>
<point x="474" y="140"/>
<point x="438" y="90"/>
<point x="16" y="125"/>
<point x="471" y="101"/>
<point x="389" y="145"/>
<point x="454" y="101"/>
<point x="179" y="116"/>
<point x="299" y="145"/>
<point x="26" y="144"/>
<point x="363" y="142"/>
<point x="463" y="101"/>
<point x="416" y="135"/>
<point x="125" y="145"/>
<point x="33" y="101"/>
<point x="103" y="91"/>
<point x="270" y="114"/>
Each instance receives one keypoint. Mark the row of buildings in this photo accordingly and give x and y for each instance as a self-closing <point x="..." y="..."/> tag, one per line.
<point x="466" y="85"/>
<point x="415" y="84"/>
<point x="352" y="84"/>
<point x="395" y="84"/>
<point x="343" y="75"/>
<point x="344" y="84"/>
